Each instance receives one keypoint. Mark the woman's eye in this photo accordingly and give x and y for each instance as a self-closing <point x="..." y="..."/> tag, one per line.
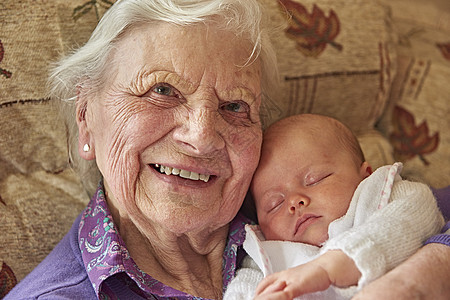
<point x="163" y="95"/>
<point x="165" y="90"/>
<point x="236" y="107"/>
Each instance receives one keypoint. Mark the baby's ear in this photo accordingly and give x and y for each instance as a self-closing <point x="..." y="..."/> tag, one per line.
<point x="365" y="170"/>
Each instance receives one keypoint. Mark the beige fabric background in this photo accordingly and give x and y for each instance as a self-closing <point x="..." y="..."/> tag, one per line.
<point x="39" y="194"/>
<point x="351" y="83"/>
<point x="422" y="82"/>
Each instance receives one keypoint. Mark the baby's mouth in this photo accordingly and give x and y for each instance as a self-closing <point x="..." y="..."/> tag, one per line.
<point x="181" y="173"/>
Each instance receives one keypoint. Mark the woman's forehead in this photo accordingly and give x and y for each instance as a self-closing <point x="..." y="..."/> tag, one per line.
<point x="165" y="40"/>
<point x="190" y="51"/>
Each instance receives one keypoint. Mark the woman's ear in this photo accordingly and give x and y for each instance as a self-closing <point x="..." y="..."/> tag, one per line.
<point x="365" y="169"/>
<point x="85" y="141"/>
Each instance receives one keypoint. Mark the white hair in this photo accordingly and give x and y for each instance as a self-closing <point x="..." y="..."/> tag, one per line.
<point x="87" y="64"/>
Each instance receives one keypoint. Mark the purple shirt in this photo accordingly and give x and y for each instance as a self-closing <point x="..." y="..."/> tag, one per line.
<point x="92" y="262"/>
<point x="63" y="275"/>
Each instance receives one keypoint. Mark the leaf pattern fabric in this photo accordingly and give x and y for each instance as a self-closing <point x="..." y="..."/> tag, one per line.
<point x="410" y="140"/>
<point x="7" y="280"/>
<point x="313" y="31"/>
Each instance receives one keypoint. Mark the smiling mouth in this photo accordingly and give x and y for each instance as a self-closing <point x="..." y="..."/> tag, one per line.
<point x="181" y="173"/>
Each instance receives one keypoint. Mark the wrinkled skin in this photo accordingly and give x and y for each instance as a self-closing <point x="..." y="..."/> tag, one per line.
<point x="178" y="97"/>
<point x="424" y="276"/>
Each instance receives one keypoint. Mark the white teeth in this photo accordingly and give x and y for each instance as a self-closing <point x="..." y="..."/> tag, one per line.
<point x="194" y="176"/>
<point x="168" y="170"/>
<point x="182" y="173"/>
<point x="203" y="177"/>
<point x="185" y="174"/>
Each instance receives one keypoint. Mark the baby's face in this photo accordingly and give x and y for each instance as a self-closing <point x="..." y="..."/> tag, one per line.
<point x="302" y="184"/>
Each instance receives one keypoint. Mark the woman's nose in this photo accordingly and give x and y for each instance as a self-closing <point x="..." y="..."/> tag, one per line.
<point x="199" y="133"/>
<point x="297" y="202"/>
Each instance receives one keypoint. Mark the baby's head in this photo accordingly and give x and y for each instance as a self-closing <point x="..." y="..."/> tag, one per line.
<point x="309" y="169"/>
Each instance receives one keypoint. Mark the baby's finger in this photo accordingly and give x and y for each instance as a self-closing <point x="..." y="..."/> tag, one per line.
<point x="273" y="296"/>
<point x="263" y="284"/>
<point x="269" y="286"/>
<point x="275" y="287"/>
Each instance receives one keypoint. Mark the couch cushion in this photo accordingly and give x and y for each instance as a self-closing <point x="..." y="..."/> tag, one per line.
<point x="335" y="59"/>
<point x="39" y="194"/>
<point x="37" y="210"/>
<point x="417" y="119"/>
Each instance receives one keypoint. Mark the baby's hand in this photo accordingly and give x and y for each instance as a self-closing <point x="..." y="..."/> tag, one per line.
<point x="316" y="275"/>
<point x="293" y="282"/>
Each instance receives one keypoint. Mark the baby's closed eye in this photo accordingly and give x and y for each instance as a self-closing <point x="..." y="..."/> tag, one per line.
<point x="314" y="179"/>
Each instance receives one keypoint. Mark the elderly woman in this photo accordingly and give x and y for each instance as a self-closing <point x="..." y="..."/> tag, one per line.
<point x="166" y="97"/>
<point x="164" y="100"/>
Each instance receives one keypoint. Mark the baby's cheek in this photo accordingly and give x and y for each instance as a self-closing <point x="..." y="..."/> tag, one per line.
<point x="269" y="230"/>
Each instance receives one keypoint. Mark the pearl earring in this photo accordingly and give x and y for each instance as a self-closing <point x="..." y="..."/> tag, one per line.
<point x="86" y="148"/>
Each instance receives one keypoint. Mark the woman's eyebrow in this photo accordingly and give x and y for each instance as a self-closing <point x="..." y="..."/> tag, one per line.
<point x="144" y="79"/>
<point x="238" y="93"/>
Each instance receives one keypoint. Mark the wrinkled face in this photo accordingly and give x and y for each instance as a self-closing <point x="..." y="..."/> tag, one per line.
<point x="302" y="184"/>
<point x="176" y="129"/>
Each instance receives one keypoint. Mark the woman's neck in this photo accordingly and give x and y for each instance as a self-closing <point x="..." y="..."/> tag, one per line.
<point x="191" y="262"/>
